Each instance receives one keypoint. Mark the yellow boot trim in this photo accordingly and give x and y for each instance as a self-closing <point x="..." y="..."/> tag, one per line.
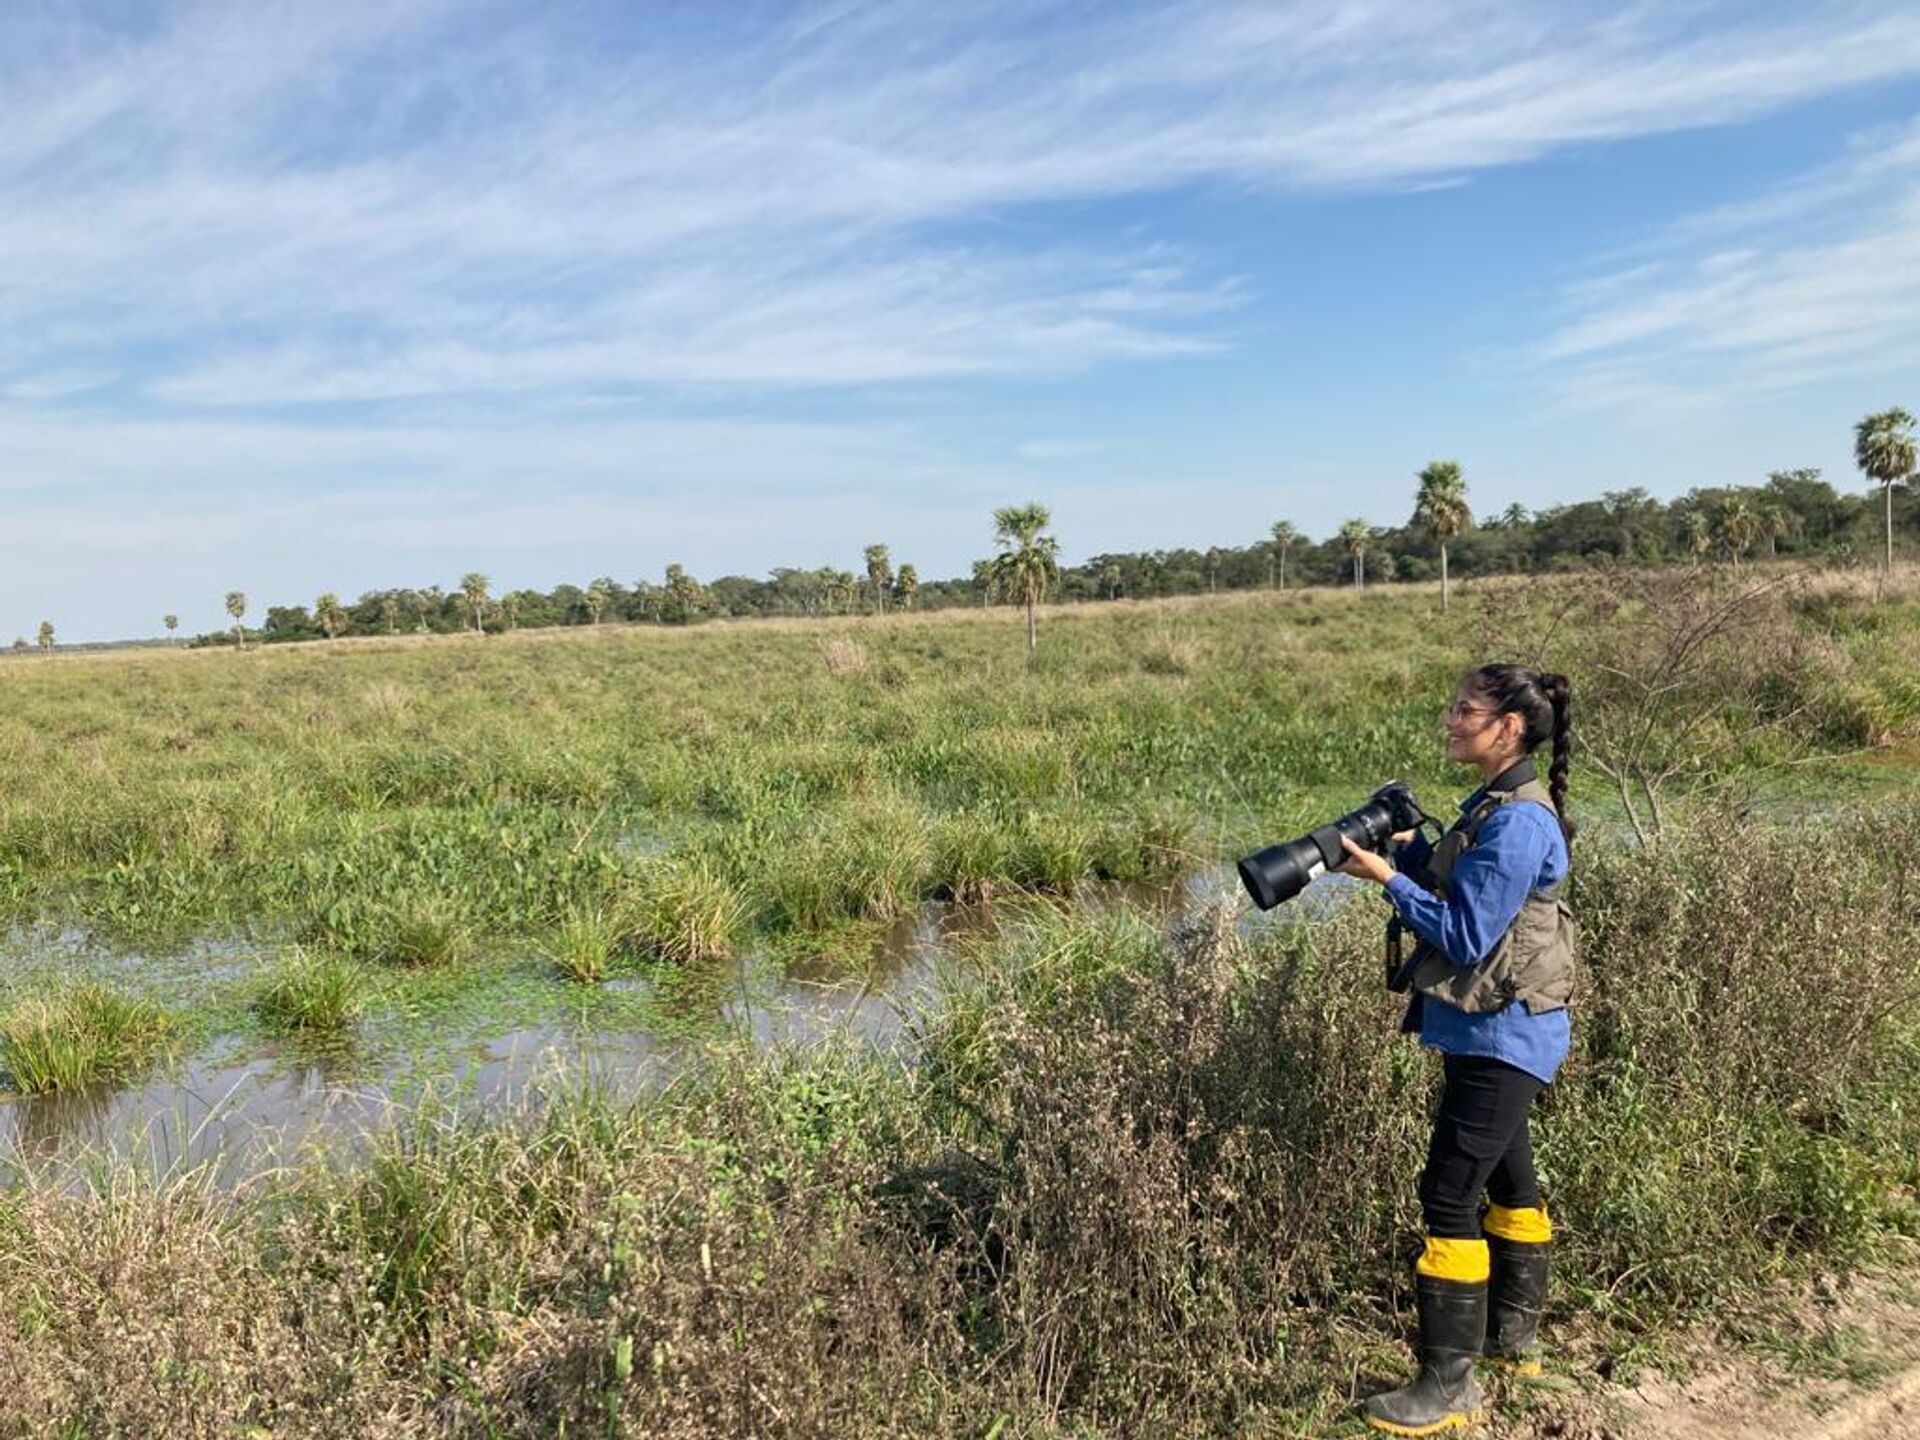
<point x="1439" y="1427"/>
<point x="1464" y="1261"/>
<point x="1523" y="1227"/>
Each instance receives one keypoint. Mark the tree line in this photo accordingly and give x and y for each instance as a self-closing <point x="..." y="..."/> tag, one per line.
<point x="1795" y="512"/>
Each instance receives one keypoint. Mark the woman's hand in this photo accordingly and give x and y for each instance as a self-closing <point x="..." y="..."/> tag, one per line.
<point x="1364" y="864"/>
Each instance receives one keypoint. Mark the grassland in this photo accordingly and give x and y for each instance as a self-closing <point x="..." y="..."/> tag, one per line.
<point x="1134" y="1184"/>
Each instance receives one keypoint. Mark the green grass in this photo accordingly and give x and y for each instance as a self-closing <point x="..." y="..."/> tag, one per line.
<point x="309" y="994"/>
<point x="681" y="911"/>
<point x="79" y="1035"/>
<point x="420" y="934"/>
<point x="417" y="796"/>
<point x="585" y="946"/>
<point x="1130" y="1185"/>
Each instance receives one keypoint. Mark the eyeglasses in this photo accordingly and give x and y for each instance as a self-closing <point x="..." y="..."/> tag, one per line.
<point x="1459" y="710"/>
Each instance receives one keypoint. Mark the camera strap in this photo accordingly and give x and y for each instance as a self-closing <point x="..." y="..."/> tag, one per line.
<point x="1399" y="972"/>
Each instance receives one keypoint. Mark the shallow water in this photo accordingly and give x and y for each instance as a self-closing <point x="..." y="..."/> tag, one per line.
<point x="243" y="1107"/>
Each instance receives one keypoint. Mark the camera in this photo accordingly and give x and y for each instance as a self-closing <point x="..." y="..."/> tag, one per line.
<point x="1281" y="872"/>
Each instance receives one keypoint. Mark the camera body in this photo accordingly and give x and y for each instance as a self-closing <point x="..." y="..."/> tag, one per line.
<point x="1280" y="872"/>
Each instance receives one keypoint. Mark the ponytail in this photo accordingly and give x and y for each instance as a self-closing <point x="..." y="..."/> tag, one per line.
<point x="1559" y="692"/>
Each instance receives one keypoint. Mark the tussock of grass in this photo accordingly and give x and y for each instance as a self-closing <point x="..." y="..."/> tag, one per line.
<point x="868" y="860"/>
<point x="83" y="1034"/>
<point x="585" y="945"/>
<point x="313" y="994"/>
<point x="424" y="934"/>
<point x="971" y="858"/>
<point x="843" y="655"/>
<point x="683" y="911"/>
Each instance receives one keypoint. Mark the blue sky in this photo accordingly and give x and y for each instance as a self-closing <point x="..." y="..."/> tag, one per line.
<point x="343" y="295"/>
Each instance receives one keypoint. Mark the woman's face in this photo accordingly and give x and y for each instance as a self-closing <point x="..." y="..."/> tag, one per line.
<point x="1477" y="734"/>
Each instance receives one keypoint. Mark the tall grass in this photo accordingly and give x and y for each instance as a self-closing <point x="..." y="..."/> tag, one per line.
<point x="155" y="797"/>
<point x="79" y="1035"/>
<point x="312" y="994"/>
<point x="585" y="945"/>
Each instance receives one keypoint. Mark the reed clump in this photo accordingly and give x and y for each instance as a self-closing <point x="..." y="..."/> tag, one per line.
<point x="421" y="934"/>
<point x="585" y="945"/>
<point x="79" y="1035"/>
<point x="683" y="911"/>
<point x="314" y="994"/>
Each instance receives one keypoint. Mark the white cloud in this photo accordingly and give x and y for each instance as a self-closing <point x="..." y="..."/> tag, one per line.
<point x="1812" y="281"/>
<point x="264" y="203"/>
<point x="503" y="252"/>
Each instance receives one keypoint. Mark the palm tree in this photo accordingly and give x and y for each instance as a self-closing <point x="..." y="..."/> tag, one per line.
<point x="1514" y="516"/>
<point x="598" y="593"/>
<point x="1738" y="526"/>
<point x="1441" y="510"/>
<point x="1777" y="522"/>
<point x="983" y="581"/>
<point x="390" y="611"/>
<point x="237" y="608"/>
<point x="907" y="585"/>
<point x="328" y="615"/>
<point x="510" y="608"/>
<point x="172" y="622"/>
<point x="684" y="593"/>
<point x="1358" y="539"/>
<point x="1028" y="561"/>
<point x="1110" y="577"/>
<point x="1285" y="537"/>
<point x="46" y="637"/>
<point x="1883" y="448"/>
<point x="1213" y="568"/>
<point x="473" y="594"/>
<point x="1699" y="534"/>
<point x="879" y="574"/>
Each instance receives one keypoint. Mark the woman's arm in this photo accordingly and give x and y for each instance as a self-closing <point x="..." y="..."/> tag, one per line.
<point x="1489" y="884"/>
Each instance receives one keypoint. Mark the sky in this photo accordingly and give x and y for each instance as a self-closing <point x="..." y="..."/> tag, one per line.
<point x="350" y="294"/>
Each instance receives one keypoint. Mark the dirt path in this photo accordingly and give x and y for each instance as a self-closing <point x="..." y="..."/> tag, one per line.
<point x="1846" y="1367"/>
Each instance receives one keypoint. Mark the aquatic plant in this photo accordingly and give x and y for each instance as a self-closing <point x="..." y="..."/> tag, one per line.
<point x="309" y="993"/>
<point x="78" y="1035"/>
<point x="584" y="945"/>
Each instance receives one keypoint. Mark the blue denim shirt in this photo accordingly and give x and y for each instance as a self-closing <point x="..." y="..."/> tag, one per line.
<point x="1519" y="849"/>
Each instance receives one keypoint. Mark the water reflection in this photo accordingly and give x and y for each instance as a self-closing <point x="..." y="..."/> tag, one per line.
<point x="243" y="1116"/>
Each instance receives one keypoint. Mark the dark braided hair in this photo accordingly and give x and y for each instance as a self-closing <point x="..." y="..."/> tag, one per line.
<point x="1544" y="702"/>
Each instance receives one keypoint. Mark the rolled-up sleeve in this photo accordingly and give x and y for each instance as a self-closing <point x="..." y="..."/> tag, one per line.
<point x="1489" y="884"/>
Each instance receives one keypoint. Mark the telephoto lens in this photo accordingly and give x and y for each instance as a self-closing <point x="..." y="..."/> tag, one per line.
<point x="1280" y="872"/>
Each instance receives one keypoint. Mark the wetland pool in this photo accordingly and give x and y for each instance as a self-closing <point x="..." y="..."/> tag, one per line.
<point x="243" y="1105"/>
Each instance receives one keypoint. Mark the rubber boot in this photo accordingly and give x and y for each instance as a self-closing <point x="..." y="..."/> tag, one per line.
<point x="1516" y="1296"/>
<point x="1518" y="1245"/>
<point x="1445" y="1395"/>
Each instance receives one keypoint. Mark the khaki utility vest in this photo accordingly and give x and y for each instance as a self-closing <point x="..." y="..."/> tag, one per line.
<point x="1534" y="961"/>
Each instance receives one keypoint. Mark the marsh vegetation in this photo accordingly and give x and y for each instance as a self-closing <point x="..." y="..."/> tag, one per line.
<point x="1142" y="1172"/>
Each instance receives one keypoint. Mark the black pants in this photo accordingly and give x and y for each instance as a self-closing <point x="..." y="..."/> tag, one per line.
<point x="1480" y="1143"/>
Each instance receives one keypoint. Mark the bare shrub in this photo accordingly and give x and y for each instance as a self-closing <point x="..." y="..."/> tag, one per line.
<point x="844" y="656"/>
<point x="1684" y="681"/>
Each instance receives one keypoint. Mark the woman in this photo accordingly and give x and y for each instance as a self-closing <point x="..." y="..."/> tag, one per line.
<point x="1491" y="977"/>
